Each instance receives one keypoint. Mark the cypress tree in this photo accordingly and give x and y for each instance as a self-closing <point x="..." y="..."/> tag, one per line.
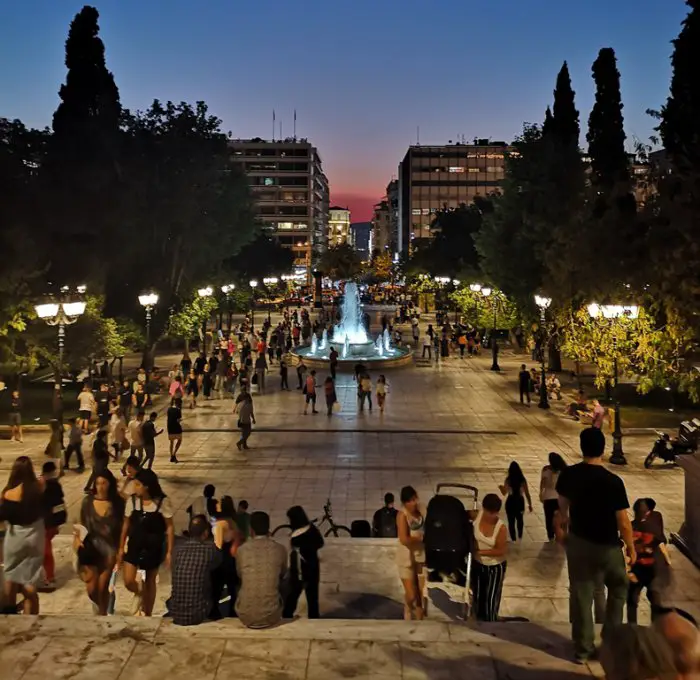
<point x="680" y="117"/>
<point x="548" y="124"/>
<point x="565" y="116"/>
<point x="606" y="134"/>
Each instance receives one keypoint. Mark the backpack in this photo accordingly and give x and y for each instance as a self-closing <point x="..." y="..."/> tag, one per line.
<point x="384" y="523"/>
<point x="360" y="528"/>
<point x="447" y="526"/>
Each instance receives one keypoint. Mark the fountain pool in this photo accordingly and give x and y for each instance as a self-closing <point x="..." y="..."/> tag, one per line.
<point x="352" y="340"/>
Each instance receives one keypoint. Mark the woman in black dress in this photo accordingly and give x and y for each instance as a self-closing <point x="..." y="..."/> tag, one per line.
<point x="102" y="514"/>
<point x="206" y="382"/>
<point x="148" y="526"/>
<point x="174" y="426"/>
<point x="192" y="388"/>
<point x="516" y="491"/>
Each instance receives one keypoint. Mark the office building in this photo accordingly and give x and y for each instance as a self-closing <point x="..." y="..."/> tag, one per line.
<point x="392" y="199"/>
<point x="339" y="226"/>
<point x="381" y="234"/>
<point x="433" y="178"/>
<point x="290" y="193"/>
<point x="362" y="238"/>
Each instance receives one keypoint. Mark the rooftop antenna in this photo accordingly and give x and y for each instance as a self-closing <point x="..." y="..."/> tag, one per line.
<point x="281" y="138"/>
<point x="273" y="125"/>
<point x="295" y="125"/>
<point x="417" y="135"/>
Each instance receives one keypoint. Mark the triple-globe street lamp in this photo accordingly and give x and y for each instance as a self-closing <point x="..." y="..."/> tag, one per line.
<point x="543" y="303"/>
<point x="148" y="301"/>
<point x="227" y="289"/>
<point x="253" y="285"/>
<point x="206" y="292"/>
<point x="269" y="281"/>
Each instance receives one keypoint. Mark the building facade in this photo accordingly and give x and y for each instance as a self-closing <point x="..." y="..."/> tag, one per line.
<point x="362" y="238"/>
<point x="392" y="199"/>
<point x="432" y="178"/>
<point x="290" y="192"/>
<point x="381" y="233"/>
<point x="339" y="226"/>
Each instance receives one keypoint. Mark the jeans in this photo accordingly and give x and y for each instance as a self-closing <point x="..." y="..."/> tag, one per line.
<point x="246" y="429"/>
<point x="219" y="382"/>
<point x="550" y="506"/>
<point x="150" y="454"/>
<point x="588" y="564"/>
<point x="429" y="349"/>
<point x="284" y="384"/>
<point x="368" y="397"/>
<point x="515" y="509"/>
<point x="78" y="449"/>
<point x="524" y="392"/>
<point x="308" y="584"/>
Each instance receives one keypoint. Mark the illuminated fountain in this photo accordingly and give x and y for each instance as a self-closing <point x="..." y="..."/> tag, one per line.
<point x="351" y="339"/>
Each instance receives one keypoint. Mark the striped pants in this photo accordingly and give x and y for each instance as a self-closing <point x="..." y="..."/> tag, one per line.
<point x="487" y="586"/>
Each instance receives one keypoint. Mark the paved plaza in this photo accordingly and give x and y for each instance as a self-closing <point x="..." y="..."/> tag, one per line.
<point x="457" y="422"/>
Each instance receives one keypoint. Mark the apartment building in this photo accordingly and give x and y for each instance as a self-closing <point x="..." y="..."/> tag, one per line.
<point x="435" y="177"/>
<point x="339" y="226"/>
<point x="290" y="192"/>
<point x="381" y="233"/>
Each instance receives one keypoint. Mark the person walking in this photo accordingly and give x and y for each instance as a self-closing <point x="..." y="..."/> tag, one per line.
<point x="100" y="458"/>
<point x="139" y="398"/>
<point x="86" y="407"/>
<point x="136" y="435"/>
<point x="207" y="383"/>
<point x="246" y="418"/>
<point x="462" y="342"/>
<point x="260" y="370"/>
<point x="305" y="566"/>
<point x="222" y="368"/>
<point x="54" y="516"/>
<point x="382" y="388"/>
<point x="593" y="513"/>
<point x="117" y="432"/>
<point x="329" y="391"/>
<point x="365" y="385"/>
<point x="333" y="357"/>
<point x="524" y="382"/>
<point x="427" y="346"/>
<point x="310" y="392"/>
<point x="124" y="400"/>
<point x="284" y="382"/>
<point x="174" y="428"/>
<point x="75" y="445"/>
<point x="410" y="555"/>
<point x="149" y="434"/>
<point x="516" y="491"/>
<point x="16" y="417"/>
<point x="301" y="373"/>
<point x="489" y="568"/>
<point x="548" y="491"/>
<point x="148" y="526"/>
<point x="192" y="388"/>
<point x="23" y="547"/>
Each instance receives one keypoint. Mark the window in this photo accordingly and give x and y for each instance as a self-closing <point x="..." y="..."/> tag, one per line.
<point x="473" y="169"/>
<point x="284" y="225"/>
<point x="269" y="181"/>
<point x="494" y="168"/>
<point x="415" y="211"/>
<point x="301" y="226"/>
<point x="456" y="168"/>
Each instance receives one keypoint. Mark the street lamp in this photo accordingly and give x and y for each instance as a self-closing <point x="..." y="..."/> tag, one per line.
<point x="486" y="292"/>
<point x="148" y="302"/>
<point x="61" y="314"/>
<point x="476" y="289"/>
<point x="611" y="313"/>
<point x="269" y="281"/>
<point x="253" y="285"/>
<point x="543" y="303"/>
<point x="205" y="293"/>
<point x="227" y="289"/>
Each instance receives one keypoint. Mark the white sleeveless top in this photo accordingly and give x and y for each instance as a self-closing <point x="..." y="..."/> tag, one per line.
<point x="487" y="542"/>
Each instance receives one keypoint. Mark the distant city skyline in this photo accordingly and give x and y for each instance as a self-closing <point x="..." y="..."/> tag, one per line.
<point x="448" y="67"/>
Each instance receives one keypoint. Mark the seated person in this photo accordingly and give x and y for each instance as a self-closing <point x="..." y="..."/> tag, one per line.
<point x="576" y="408"/>
<point x="553" y="386"/>
<point x="262" y="569"/>
<point x="535" y="379"/>
<point x="384" y="520"/>
<point x="194" y="560"/>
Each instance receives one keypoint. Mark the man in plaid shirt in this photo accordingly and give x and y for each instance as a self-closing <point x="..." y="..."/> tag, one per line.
<point x="193" y="562"/>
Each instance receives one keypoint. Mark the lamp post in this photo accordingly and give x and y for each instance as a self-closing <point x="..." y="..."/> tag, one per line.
<point x="227" y="289"/>
<point x="253" y="285"/>
<point x="486" y="292"/>
<point x="611" y="313"/>
<point x="148" y="302"/>
<point x="476" y="289"/>
<point x="269" y="281"/>
<point x="62" y="313"/>
<point x="543" y="303"/>
<point x="205" y="293"/>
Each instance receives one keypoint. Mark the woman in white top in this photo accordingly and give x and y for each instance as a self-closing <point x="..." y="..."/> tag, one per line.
<point x="86" y="406"/>
<point x="381" y="392"/>
<point x="410" y="555"/>
<point x="489" y="566"/>
<point x="548" y="491"/>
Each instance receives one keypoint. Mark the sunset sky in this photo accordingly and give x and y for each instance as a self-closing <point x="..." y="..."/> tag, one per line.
<point x="362" y="74"/>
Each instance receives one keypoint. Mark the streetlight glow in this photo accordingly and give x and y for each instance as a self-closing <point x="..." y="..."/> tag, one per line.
<point x="253" y="283"/>
<point x="270" y="280"/>
<point x="486" y="291"/>
<point x="47" y="310"/>
<point x="205" y="292"/>
<point x="74" y="308"/>
<point x="542" y="302"/>
<point x="228" y="288"/>
<point x="613" y="311"/>
<point x="148" y="299"/>
<point x="474" y="287"/>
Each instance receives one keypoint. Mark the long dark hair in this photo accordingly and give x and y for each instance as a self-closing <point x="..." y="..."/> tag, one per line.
<point x="228" y="508"/>
<point x="150" y="480"/>
<point x="556" y="462"/>
<point x="516" y="478"/>
<point x="23" y="473"/>
<point x="297" y="517"/>
<point x="113" y="495"/>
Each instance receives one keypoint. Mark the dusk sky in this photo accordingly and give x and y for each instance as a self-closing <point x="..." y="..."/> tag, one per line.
<point x="362" y="74"/>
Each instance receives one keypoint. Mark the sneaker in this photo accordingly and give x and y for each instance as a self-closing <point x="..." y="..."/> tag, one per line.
<point x="136" y="603"/>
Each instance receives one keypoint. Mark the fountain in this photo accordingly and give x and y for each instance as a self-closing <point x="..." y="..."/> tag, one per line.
<point x="351" y="338"/>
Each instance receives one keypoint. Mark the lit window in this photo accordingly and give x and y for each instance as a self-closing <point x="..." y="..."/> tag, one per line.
<point x="284" y="225"/>
<point x="492" y="168"/>
<point x="415" y="211"/>
<point x="473" y="169"/>
<point x="426" y="211"/>
<point x="456" y="168"/>
<point x="269" y="181"/>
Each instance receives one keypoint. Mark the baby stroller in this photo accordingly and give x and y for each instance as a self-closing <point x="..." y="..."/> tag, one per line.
<point x="449" y="541"/>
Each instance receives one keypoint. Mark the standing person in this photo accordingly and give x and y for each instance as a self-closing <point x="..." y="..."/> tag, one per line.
<point x="103" y="406"/>
<point x="301" y="373"/>
<point x="462" y="342"/>
<point x="175" y="389"/>
<point x="125" y="399"/>
<point x="365" y="384"/>
<point x="16" y="417"/>
<point x="516" y="489"/>
<point x="199" y="363"/>
<point x="524" y="382"/>
<point x="149" y="434"/>
<point x="410" y="556"/>
<point x="136" y="435"/>
<point x="75" y="445"/>
<point x="100" y="458"/>
<point x="548" y="490"/>
<point x="174" y="427"/>
<point x="329" y="391"/>
<point x="206" y="382"/>
<point x="117" y="431"/>
<point x="23" y="547"/>
<point x="102" y="515"/>
<point x="139" y="399"/>
<point x="246" y="419"/>
<point x="427" y="346"/>
<point x="593" y="510"/>
<point x="54" y="516"/>
<point x="227" y="538"/>
<point x="185" y="363"/>
<point x="382" y="389"/>
<point x="310" y="392"/>
<point x="53" y="450"/>
<point x="284" y="383"/>
<point x="220" y="377"/>
<point x="489" y="568"/>
<point x="192" y="388"/>
<point x="260" y="368"/>
<point x="444" y="346"/>
<point x="305" y="567"/>
<point x="149" y="527"/>
<point x="86" y="406"/>
<point x="333" y="357"/>
<point x="384" y="520"/>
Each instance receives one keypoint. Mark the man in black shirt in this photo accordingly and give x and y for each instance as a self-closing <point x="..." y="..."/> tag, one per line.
<point x="593" y="506"/>
<point x="524" y="383"/>
<point x="149" y="434"/>
<point x="103" y="405"/>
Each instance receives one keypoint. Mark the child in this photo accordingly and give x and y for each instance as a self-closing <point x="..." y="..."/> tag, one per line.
<point x="54" y="516"/>
<point x="243" y="518"/>
<point x="75" y="445"/>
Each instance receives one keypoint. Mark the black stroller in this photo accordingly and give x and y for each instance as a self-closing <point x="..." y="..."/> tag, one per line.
<point x="449" y="541"/>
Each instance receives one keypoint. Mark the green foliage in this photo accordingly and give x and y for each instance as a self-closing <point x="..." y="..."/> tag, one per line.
<point x="479" y="310"/>
<point x="262" y="257"/>
<point x="186" y="323"/>
<point x="340" y="262"/>
<point x="380" y="269"/>
<point x="565" y="117"/>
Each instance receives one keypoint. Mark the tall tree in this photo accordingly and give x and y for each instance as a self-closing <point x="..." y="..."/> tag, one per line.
<point x="606" y="134"/>
<point x="340" y="262"/>
<point x="565" y="116"/>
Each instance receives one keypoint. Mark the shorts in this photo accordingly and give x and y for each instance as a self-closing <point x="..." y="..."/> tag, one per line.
<point x="15" y="419"/>
<point x="175" y="436"/>
<point x="85" y="415"/>
<point x="310" y="398"/>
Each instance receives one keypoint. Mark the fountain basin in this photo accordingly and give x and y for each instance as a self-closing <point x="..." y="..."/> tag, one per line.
<point x="401" y="356"/>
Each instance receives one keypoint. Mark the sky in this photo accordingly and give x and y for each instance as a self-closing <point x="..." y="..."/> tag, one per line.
<point x="363" y="75"/>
